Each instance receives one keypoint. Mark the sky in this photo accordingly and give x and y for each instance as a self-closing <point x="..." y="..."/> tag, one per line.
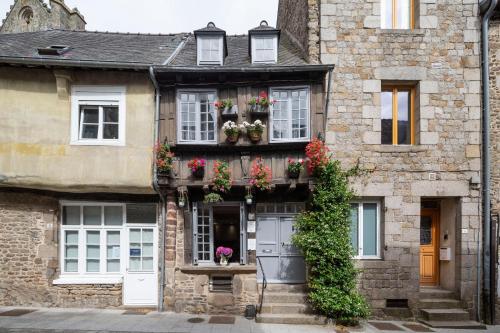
<point x="169" y="16"/>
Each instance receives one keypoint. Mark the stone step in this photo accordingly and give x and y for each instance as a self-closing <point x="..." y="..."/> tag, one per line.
<point x="438" y="303"/>
<point x="277" y="297"/>
<point x="426" y="293"/>
<point x="445" y="314"/>
<point x="462" y="325"/>
<point x="286" y="308"/>
<point x="278" y="287"/>
<point x="294" y="319"/>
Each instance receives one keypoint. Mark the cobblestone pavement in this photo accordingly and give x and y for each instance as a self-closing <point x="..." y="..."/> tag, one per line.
<point x="58" y="320"/>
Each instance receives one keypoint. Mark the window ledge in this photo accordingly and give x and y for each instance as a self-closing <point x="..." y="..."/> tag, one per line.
<point x="233" y="268"/>
<point x="398" y="149"/>
<point x="401" y="32"/>
<point x="97" y="143"/>
<point x="88" y="280"/>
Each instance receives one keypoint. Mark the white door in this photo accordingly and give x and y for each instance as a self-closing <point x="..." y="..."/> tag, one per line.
<point x="140" y="283"/>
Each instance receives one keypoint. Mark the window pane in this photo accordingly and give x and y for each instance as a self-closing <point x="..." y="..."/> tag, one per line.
<point x="113" y="251"/>
<point x="71" y="215"/>
<point x="93" y="251"/>
<point x="369" y="229"/>
<point x="90" y="131"/>
<point x="141" y="213"/>
<point x="110" y="131"/>
<point x="113" y="215"/>
<point x="71" y="237"/>
<point x="402" y="14"/>
<point x="110" y="114"/>
<point x="147" y="235"/>
<point x="425" y="230"/>
<point x="71" y="265"/>
<point x="135" y="235"/>
<point x="135" y="264"/>
<point x="91" y="215"/>
<point x="354" y="228"/>
<point x="90" y="115"/>
<point x="147" y="264"/>
<point x="386" y="117"/>
<point x="404" y="117"/>
<point x="386" y="14"/>
<point x="147" y="250"/>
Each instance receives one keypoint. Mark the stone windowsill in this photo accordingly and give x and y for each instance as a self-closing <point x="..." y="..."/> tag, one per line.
<point x="401" y="32"/>
<point x="88" y="280"/>
<point x="397" y="148"/>
<point x="209" y="269"/>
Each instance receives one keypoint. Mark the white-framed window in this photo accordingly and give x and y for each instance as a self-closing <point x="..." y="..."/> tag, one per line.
<point x="93" y="240"/>
<point x="98" y="115"/>
<point x="290" y="114"/>
<point x="365" y="229"/>
<point x="210" y="50"/>
<point x="265" y="49"/>
<point x="197" y="118"/>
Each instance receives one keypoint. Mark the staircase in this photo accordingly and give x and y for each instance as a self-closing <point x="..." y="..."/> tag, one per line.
<point x="286" y="304"/>
<point x="441" y="308"/>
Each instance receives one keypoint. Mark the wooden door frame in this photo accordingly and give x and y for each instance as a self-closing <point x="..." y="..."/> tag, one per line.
<point x="434" y="214"/>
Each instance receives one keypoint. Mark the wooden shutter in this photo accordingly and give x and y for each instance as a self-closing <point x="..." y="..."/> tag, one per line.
<point x="195" y="233"/>
<point x="243" y="234"/>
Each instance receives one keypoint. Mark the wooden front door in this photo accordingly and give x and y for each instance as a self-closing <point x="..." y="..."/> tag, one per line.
<point x="429" y="247"/>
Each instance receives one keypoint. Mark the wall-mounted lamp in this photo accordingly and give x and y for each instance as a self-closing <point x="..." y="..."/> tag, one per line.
<point x="182" y="198"/>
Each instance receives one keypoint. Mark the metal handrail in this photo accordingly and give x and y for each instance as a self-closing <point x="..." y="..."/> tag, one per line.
<point x="264" y="284"/>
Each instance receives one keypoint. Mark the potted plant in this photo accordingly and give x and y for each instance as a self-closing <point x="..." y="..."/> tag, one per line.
<point x="212" y="198"/>
<point x="224" y="105"/>
<point x="197" y="166"/>
<point x="260" y="175"/>
<point x="295" y="167"/>
<point x="232" y="131"/>
<point x="224" y="253"/>
<point x="164" y="159"/>
<point x="222" y="177"/>
<point x="261" y="103"/>
<point x="249" y="199"/>
<point x="254" y="130"/>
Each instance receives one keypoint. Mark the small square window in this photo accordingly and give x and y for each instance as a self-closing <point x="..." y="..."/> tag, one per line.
<point x="98" y="115"/>
<point x="210" y="50"/>
<point x="264" y="49"/>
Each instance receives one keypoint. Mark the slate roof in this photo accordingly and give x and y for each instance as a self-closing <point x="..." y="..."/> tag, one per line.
<point x="86" y="47"/>
<point x="263" y="27"/>
<point x="237" y="54"/>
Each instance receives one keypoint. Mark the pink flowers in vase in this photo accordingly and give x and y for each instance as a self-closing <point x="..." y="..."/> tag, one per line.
<point x="224" y="253"/>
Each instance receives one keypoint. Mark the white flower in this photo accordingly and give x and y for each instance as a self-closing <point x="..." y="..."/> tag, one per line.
<point x="257" y="122"/>
<point x="246" y="124"/>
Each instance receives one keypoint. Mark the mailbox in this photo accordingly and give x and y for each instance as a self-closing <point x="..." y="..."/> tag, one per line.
<point x="445" y="253"/>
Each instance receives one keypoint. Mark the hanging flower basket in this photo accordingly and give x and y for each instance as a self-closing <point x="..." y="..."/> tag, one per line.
<point x="232" y="131"/>
<point x="197" y="166"/>
<point x="294" y="168"/>
<point x="255" y="136"/>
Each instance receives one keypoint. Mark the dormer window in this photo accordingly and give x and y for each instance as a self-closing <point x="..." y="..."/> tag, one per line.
<point x="210" y="45"/>
<point x="263" y="42"/>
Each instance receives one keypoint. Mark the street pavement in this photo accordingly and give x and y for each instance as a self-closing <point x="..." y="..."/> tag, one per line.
<point x="58" y="320"/>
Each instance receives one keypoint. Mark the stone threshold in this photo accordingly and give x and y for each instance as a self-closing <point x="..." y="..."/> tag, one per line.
<point x="234" y="269"/>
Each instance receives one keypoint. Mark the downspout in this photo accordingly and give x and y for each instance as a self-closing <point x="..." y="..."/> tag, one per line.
<point x="327" y="102"/>
<point x="487" y="257"/>
<point x="157" y="189"/>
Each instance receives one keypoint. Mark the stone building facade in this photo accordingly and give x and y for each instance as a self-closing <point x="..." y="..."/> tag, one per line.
<point x="36" y="15"/>
<point x="494" y="60"/>
<point x="439" y="58"/>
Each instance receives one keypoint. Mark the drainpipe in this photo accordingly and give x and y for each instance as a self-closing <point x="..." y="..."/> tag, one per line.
<point x="327" y="102"/>
<point x="157" y="189"/>
<point x="488" y="8"/>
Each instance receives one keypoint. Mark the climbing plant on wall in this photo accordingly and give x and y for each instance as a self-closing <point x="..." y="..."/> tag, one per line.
<point x="324" y="237"/>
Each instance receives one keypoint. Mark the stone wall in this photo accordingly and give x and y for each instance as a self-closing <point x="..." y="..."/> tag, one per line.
<point x="29" y="258"/>
<point x="494" y="59"/>
<point x="35" y="15"/>
<point x="441" y="57"/>
<point x="300" y="20"/>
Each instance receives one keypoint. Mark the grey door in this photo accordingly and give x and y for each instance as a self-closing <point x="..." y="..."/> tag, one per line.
<point x="281" y="261"/>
